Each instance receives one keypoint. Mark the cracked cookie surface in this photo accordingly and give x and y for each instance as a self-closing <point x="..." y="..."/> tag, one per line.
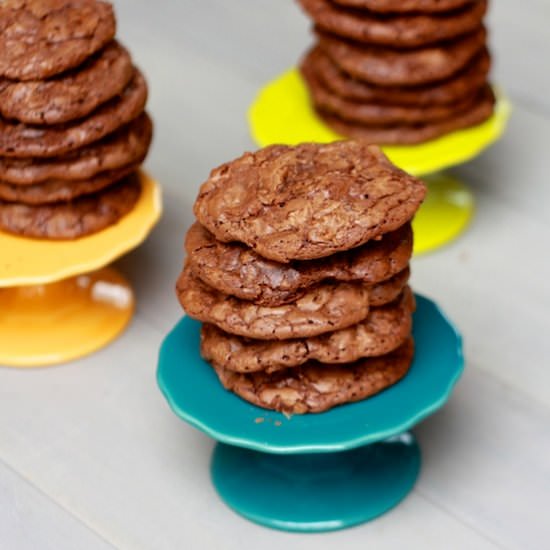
<point x="235" y="269"/>
<point x="380" y="114"/>
<point x="71" y="220"/>
<point x="128" y="145"/>
<point x="308" y="201"/>
<point x="42" y="38"/>
<point x="389" y="67"/>
<point x="53" y="191"/>
<point x="325" y="308"/>
<point x="23" y="141"/>
<point x="404" y="6"/>
<point x="472" y="78"/>
<point x="398" y="31"/>
<point x="384" y="330"/>
<point x="315" y="387"/>
<point x="401" y="134"/>
<point x="71" y="95"/>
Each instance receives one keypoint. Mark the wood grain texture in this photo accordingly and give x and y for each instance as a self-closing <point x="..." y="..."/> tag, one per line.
<point x="91" y="448"/>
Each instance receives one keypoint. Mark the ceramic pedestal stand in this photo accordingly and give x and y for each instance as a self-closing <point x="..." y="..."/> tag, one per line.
<point x="316" y="472"/>
<point x="282" y="113"/>
<point x="57" y="300"/>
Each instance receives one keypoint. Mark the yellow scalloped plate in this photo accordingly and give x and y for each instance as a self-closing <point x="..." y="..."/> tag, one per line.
<point x="49" y="324"/>
<point x="27" y="261"/>
<point x="282" y="113"/>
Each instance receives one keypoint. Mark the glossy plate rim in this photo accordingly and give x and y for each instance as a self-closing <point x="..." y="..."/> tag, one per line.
<point x="318" y="447"/>
<point x="104" y="247"/>
<point x="419" y="160"/>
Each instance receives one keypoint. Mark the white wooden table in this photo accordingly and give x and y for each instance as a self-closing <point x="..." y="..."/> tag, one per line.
<point x="92" y="458"/>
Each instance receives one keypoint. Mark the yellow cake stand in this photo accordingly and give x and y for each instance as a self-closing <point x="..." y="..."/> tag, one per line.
<point x="282" y="113"/>
<point x="58" y="301"/>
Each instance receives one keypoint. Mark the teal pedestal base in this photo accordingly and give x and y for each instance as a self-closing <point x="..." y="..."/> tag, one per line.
<point x="313" y="493"/>
<point x="314" y="472"/>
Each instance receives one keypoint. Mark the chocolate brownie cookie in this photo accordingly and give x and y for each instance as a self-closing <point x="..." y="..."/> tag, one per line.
<point x="387" y="291"/>
<point x="42" y="38"/>
<point x="127" y="146"/>
<point x="322" y="309"/>
<point x="379" y="114"/>
<point x="19" y="140"/>
<point x="71" y="220"/>
<point x="405" y="6"/>
<point x="308" y="201"/>
<point x="53" y="191"/>
<point x="316" y="387"/>
<point x="384" y="330"/>
<point x="409" y="30"/>
<point x="237" y="270"/>
<point x="388" y="67"/>
<point x="481" y="110"/>
<point x="71" y="95"/>
<point x="471" y="79"/>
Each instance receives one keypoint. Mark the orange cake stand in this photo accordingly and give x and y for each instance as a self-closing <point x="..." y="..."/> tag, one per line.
<point x="58" y="301"/>
<point x="282" y="113"/>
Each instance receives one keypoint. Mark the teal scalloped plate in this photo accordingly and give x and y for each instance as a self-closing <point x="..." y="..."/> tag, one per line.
<point x="196" y="395"/>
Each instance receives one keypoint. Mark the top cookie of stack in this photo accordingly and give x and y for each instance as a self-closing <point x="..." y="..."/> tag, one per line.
<point x="73" y="130"/>
<point x="399" y="72"/>
<point x="298" y="267"/>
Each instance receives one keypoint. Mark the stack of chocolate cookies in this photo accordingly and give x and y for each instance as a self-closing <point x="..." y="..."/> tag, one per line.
<point x="298" y="267"/>
<point x="398" y="72"/>
<point x="73" y="130"/>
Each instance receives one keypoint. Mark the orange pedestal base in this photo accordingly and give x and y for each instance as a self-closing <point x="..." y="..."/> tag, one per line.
<point x="54" y="305"/>
<point x="50" y="324"/>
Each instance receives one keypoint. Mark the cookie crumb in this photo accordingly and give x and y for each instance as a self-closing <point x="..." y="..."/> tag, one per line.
<point x="259" y="420"/>
<point x="278" y="423"/>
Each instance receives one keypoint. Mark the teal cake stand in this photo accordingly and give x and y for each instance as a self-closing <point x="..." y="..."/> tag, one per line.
<point x="316" y="472"/>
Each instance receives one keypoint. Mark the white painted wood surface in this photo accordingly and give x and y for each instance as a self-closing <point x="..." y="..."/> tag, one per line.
<point x="90" y="455"/>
